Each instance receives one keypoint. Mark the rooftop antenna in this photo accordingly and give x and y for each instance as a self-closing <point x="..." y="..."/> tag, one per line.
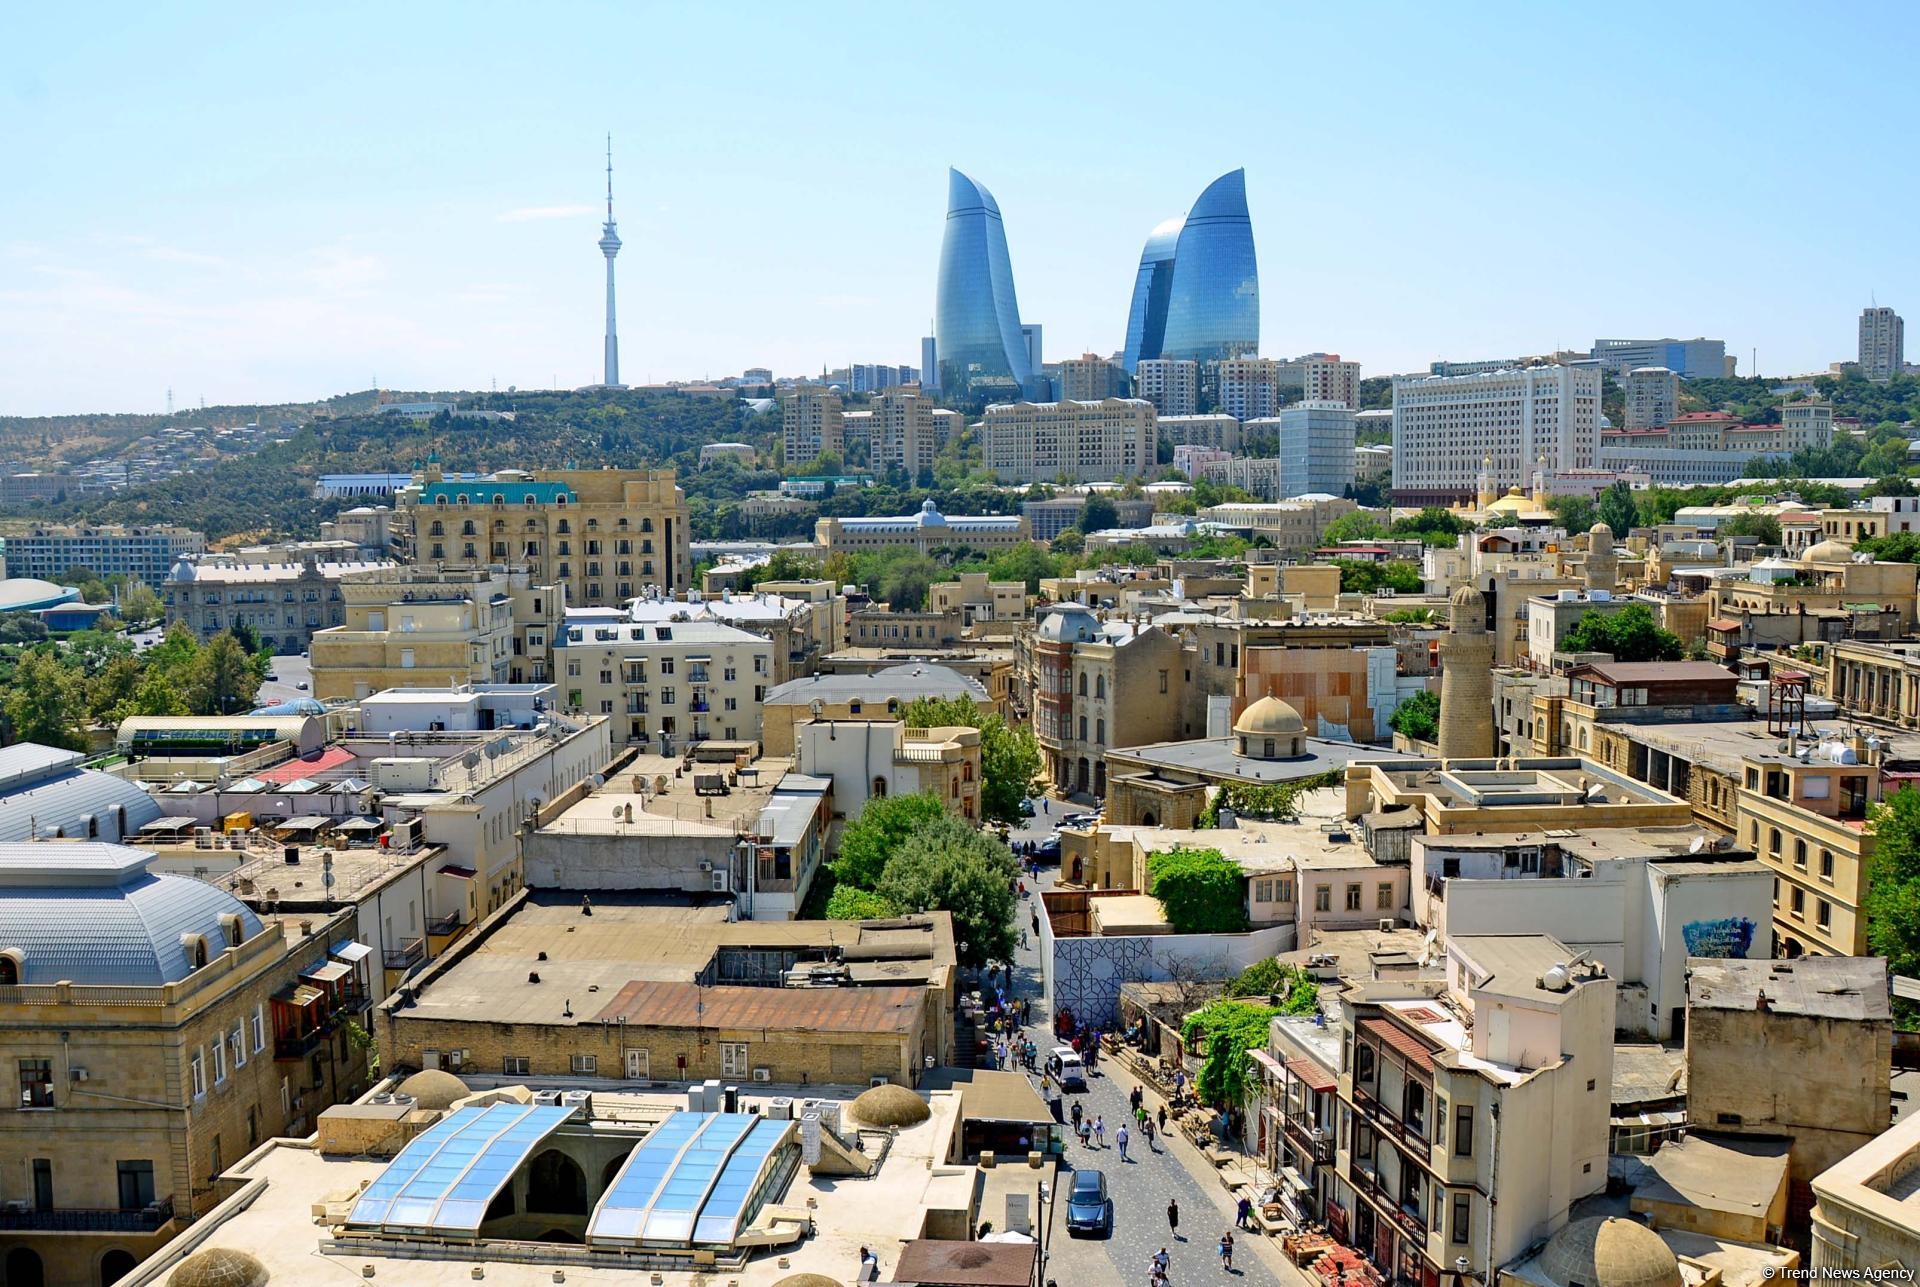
<point x="169" y="399"/>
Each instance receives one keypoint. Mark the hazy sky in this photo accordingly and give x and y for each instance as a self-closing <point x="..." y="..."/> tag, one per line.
<point x="255" y="203"/>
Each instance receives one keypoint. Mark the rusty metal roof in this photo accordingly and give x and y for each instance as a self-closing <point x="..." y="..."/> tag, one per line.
<point x="667" y="1004"/>
<point x="1401" y="1040"/>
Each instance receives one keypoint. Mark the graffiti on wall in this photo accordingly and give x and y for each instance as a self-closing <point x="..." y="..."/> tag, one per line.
<point x="1727" y="938"/>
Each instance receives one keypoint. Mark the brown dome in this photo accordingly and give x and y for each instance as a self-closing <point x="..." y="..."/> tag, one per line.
<point x="1269" y="717"/>
<point x="1607" y="1251"/>
<point x="890" y="1105"/>
<point x="432" y="1088"/>
<point x="809" y="1280"/>
<point x="218" y="1267"/>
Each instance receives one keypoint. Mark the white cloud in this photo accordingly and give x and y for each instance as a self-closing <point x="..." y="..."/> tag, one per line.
<point x="527" y="214"/>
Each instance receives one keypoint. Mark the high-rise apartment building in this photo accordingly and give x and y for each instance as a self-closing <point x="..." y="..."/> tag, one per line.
<point x="666" y="686"/>
<point x="1038" y="442"/>
<point x="1653" y="397"/>
<point x="812" y="420"/>
<point x="146" y="554"/>
<point x="1692" y="359"/>
<point x="982" y="347"/>
<point x="1172" y="385"/>
<point x="602" y="535"/>
<point x="1325" y="378"/>
<point x="872" y="377"/>
<point x="1314" y="445"/>
<point x="929" y="364"/>
<point x="1883" y="343"/>
<point x="1248" y="388"/>
<point x="1447" y="428"/>
<point x="1090" y="377"/>
<point x="903" y="434"/>
<point x="1197" y="292"/>
<point x="1219" y="431"/>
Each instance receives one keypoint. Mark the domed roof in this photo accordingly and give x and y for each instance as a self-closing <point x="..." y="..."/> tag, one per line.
<point x="1467" y="597"/>
<point x="1599" y="530"/>
<point x="1069" y="623"/>
<point x="1514" y="502"/>
<point x="1269" y="717"/>
<point x="890" y="1105"/>
<point x="432" y="1088"/>
<point x="808" y="1280"/>
<point x="1607" y="1251"/>
<point x="929" y="516"/>
<point x="1828" y="551"/>
<point x="92" y="913"/>
<point x="218" y="1267"/>
<point x="24" y="593"/>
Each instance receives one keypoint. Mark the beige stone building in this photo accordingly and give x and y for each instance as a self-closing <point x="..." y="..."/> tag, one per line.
<point x="1040" y="442"/>
<point x="284" y="602"/>
<point x="159" y="1030"/>
<point x="1100" y="685"/>
<point x="1863" y="1205"/>
<point x="870" y="759"/>
<point x="603" y="535"/>
<point x="904" y="436"/>
<point x="1807" y="820"/>
<point x="1294" y="527"/>
<point x="976" y="598"/>
<point x="879" y="694"/>
<point x="1830" y="579"/>
<point x="668" y="686"/>
<point x="812" y="420"/>
<point x="1222" y="433"/>
<point x="412" y="625"/>
<point x="1876" y="681"/>
<point x="926" y="531"/>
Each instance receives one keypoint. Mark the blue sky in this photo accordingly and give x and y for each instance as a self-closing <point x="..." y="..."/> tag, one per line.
<point x="250" y="204"/>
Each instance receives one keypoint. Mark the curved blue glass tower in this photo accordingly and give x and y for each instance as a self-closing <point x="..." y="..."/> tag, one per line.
<point x="976" y="318"/>
<point x="1197" y="294"/>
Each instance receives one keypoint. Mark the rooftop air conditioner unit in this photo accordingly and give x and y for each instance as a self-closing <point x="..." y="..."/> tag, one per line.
<point x="1386" y="924"/>
<point x="763" y="1074"/>
<point x="548" y="1098"/>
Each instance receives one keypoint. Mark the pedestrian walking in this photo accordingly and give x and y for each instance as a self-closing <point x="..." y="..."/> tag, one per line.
<point x="1120" y="1139"/>
<point x="1226" y="1252"/>
<point x="1086" y="1130"/>
<point x="1163" y="1119"/>
<point x="1146" y="1129"/>
<point x="1076" y="1114"/>
<point x="1243" y="1214"/>
<point x="1100" y="1130"/>
<point x="1134" y="1097"/>
<point x="1162" y="1259"/>
<point x="1173" y="1218"/>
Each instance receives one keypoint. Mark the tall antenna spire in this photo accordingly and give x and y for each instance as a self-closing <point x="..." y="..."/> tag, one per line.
<point x="610" y="246"/>
<point x="609" y="177"/>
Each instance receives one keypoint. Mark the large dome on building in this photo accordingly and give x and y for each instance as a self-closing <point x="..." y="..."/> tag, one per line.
<point x="1271" y="730"/>
<point x="24" y="594"/>
<point x="219" y="1267"/>
<point x="93" y="914"/>
<point x="1069" y="623"/>
<point x="1828" y="551"/>
<point x="1607" y="1251"/>
<point x="433" y="1088"/>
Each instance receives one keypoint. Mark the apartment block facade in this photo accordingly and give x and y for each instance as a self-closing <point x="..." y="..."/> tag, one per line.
<point x="1172" y="385"/>
<point x="666" y="686"/>
<point x="812" y="420"/>
<point x="1105" y="441"/>
<point x="1883" y="343"/>
<point x="1447" y="430"/>
<point x="47" y="552"/>
<point x="903" y="435"/>
<point x="406" y="626"/>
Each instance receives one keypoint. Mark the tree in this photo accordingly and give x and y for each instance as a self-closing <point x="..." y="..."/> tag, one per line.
<point x="1028" y="563"/>
<point x="1433" y="525"/>
<point x="1895" y="547"/>
<point x="1098" y="515"/>
<point x="850" y="904"/>
<point x="1764" y="528"/>
<point x="1617" y="510"/>
<point x="1009" y="754"/>
<point x="113" y="689"/>
<point x="1200" y="890"/>
<point x="1227" y="1031"/>
<point x="948" y="866"/>
<point x="1358" y="576"/>
<point x="1631" y="634"/>
<point x="1418" y="717"/>
<point x="1892" y="899"/>
<point x="1576" y="513"/>
<point x="1069" y="542"/>
<point x="46" y="701"/>
<point x="139" y="605"/>
<point x="877" y="834"/>
<point x="221" y="679"/>
<point x="1357" y="526"/>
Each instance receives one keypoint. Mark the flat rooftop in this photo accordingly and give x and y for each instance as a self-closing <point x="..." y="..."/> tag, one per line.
<point x="1261" y="848"/>
<point x="1564" y="782"/>
<point x="1220" y="758"/>
<point x="681" y="810"/>
<point x="636" y="938"/>
<point x="1645" y="1073"/>
<point x="1821" y="987"/>
<point x="1718" y="1173"/>
<point x="1669" y="845"/>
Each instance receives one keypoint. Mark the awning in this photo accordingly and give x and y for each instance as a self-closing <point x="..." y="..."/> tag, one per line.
<point x="1311" y="1074"/>
<point x="170" y="824"/>
<point x="1294" y="1180"/>
<point x="1723" y="623"/>
<point x="299" y="996"/>
<point x="349" y="951"/>
<point x="1266" y="1061"/>
<point x="330" y="972"/>
<point x="307" y="822"/>
<point x="1399" y="1039"/>
<point x="361" y="824"/>
<point x="457" y="872"/>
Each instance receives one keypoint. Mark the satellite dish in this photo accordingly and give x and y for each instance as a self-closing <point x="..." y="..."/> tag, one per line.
<point x="1699" y="844"/>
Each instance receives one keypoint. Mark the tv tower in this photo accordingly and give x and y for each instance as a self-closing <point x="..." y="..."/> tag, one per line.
<point x="610" y="246"/>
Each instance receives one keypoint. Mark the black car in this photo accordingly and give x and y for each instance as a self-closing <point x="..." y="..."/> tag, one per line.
<point x="1049" y="849"/>
<point x="1089" y="1209"/>
<point x="1026" y="808"/>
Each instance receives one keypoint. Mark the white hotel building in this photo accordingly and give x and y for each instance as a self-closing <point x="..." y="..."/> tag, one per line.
<point x="1445" y="426"/>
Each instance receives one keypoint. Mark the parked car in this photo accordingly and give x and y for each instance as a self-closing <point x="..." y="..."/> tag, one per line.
<point x="303" y="685"/>
<point x="1049" y="849"/>
<point x="1089" y="1209"/>
<point x="1065" y="1069"/>
<point x="1077" y="820"/>
<point x="1026" y="808"/>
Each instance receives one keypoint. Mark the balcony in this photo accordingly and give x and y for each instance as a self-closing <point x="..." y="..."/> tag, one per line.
<point x="147" y="1219"/>
<point x="404" y="958"/>
<point x="298" y="1045"/>
<point x="438" y="926"/>
<point x="698" y="706"/>
<point x="1315" y="1141"/>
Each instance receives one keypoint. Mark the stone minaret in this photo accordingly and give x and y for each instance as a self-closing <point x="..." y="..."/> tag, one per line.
<point x="1603" y="565"/>
<point x="1466" y="680"/>
<point x="1487" y="494"/>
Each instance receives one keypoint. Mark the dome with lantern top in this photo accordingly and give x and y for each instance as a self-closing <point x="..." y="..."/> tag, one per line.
<point x="1270" y="729"/>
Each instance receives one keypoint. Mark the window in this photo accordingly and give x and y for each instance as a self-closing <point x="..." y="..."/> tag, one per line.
<point x="136" y="1184"/>
<point x="1323" y="899"/>
<point x="1463" y="1130"/>
<point x="1383" y="897"/>
<point x="259" y="1029"/>
<point x="1462" y="1213"/>
<point x="516" y="1066"/>
<point x="1799" y="902"/>
<point x="219" y="1063"/>
<point x="733" y="1059"/>
<point x="1800" y="853"/>
<point x="237" y="1046"/>
<point x="197" y="1072"/>
<point x="1826" y="865"/>
<point x="1353" y="898"/>
<point x="586" y="1064"/>
<point x="1823" y="913"/>
<point x="36" y="1083"/>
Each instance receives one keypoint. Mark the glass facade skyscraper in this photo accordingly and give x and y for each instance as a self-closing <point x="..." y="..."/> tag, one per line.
<point x="976" y="317"/>
<point x="1197" y="294"/>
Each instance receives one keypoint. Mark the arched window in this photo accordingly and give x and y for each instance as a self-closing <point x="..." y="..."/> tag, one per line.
<point x="466" y="528"/>
<point x="879" y="788"/>
<point x="9" y="971"/>
<point x="1799" y="853"/>
<point x="197" y="952"/>
<point x="1099" y="685"/>
<point x="966" y="772"/>
<point x="437" y="528"/>
<point x="1083" y="683"/>
<point x="1773" y="840"/>
<point x="853" y="708"/>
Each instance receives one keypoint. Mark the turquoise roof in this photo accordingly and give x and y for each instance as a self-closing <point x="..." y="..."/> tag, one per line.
<point x="482" y="492"/>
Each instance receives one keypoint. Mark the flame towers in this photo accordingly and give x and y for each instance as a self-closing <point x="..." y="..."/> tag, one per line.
<point x="976" y="320"/>
<point x="610" y="246"/>
<point x="1197" y="293"/>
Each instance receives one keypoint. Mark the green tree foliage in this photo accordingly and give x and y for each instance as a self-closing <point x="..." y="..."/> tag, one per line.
<point x="1896" y="547"/>
<point x="850" y="904"/>
<point x="1892" y="899"/>
<point x="1616" y="508"/>
<point x="1200" y="890"/>
<point x="1360" y="577"/>
<point x="223" y="679"/>
<point x="1764" y="528"/>
<point x="1227" y="1031"/>
<point x="1418" y="717"/>
<point x="46" y="702"/>
<point x="1360" y="525"/>
<point x="1269" y="977"/>
<point x="1029" y="563"/>
<point x="1009" y="755"/>
<point x="139" y="605"/>
<point x="877" y="834"/>
<point x="1630" y="634"/>
<point x="1574" y="513"/>
<point x="1098" y="515"/>
<point x="1433" y="525"/>
<point x="947" y="865"/>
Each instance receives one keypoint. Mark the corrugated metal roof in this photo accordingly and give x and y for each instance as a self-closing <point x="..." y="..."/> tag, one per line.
<point x="1400" y="1039"/>
<point x="47" y="793"/>
<point x="687" y="1005"/>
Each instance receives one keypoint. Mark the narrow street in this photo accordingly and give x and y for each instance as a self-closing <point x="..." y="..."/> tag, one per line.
<point x="1141" y="1186"/>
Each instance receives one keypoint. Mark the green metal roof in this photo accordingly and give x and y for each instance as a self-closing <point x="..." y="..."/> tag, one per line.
<point x="482" y="493"/>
